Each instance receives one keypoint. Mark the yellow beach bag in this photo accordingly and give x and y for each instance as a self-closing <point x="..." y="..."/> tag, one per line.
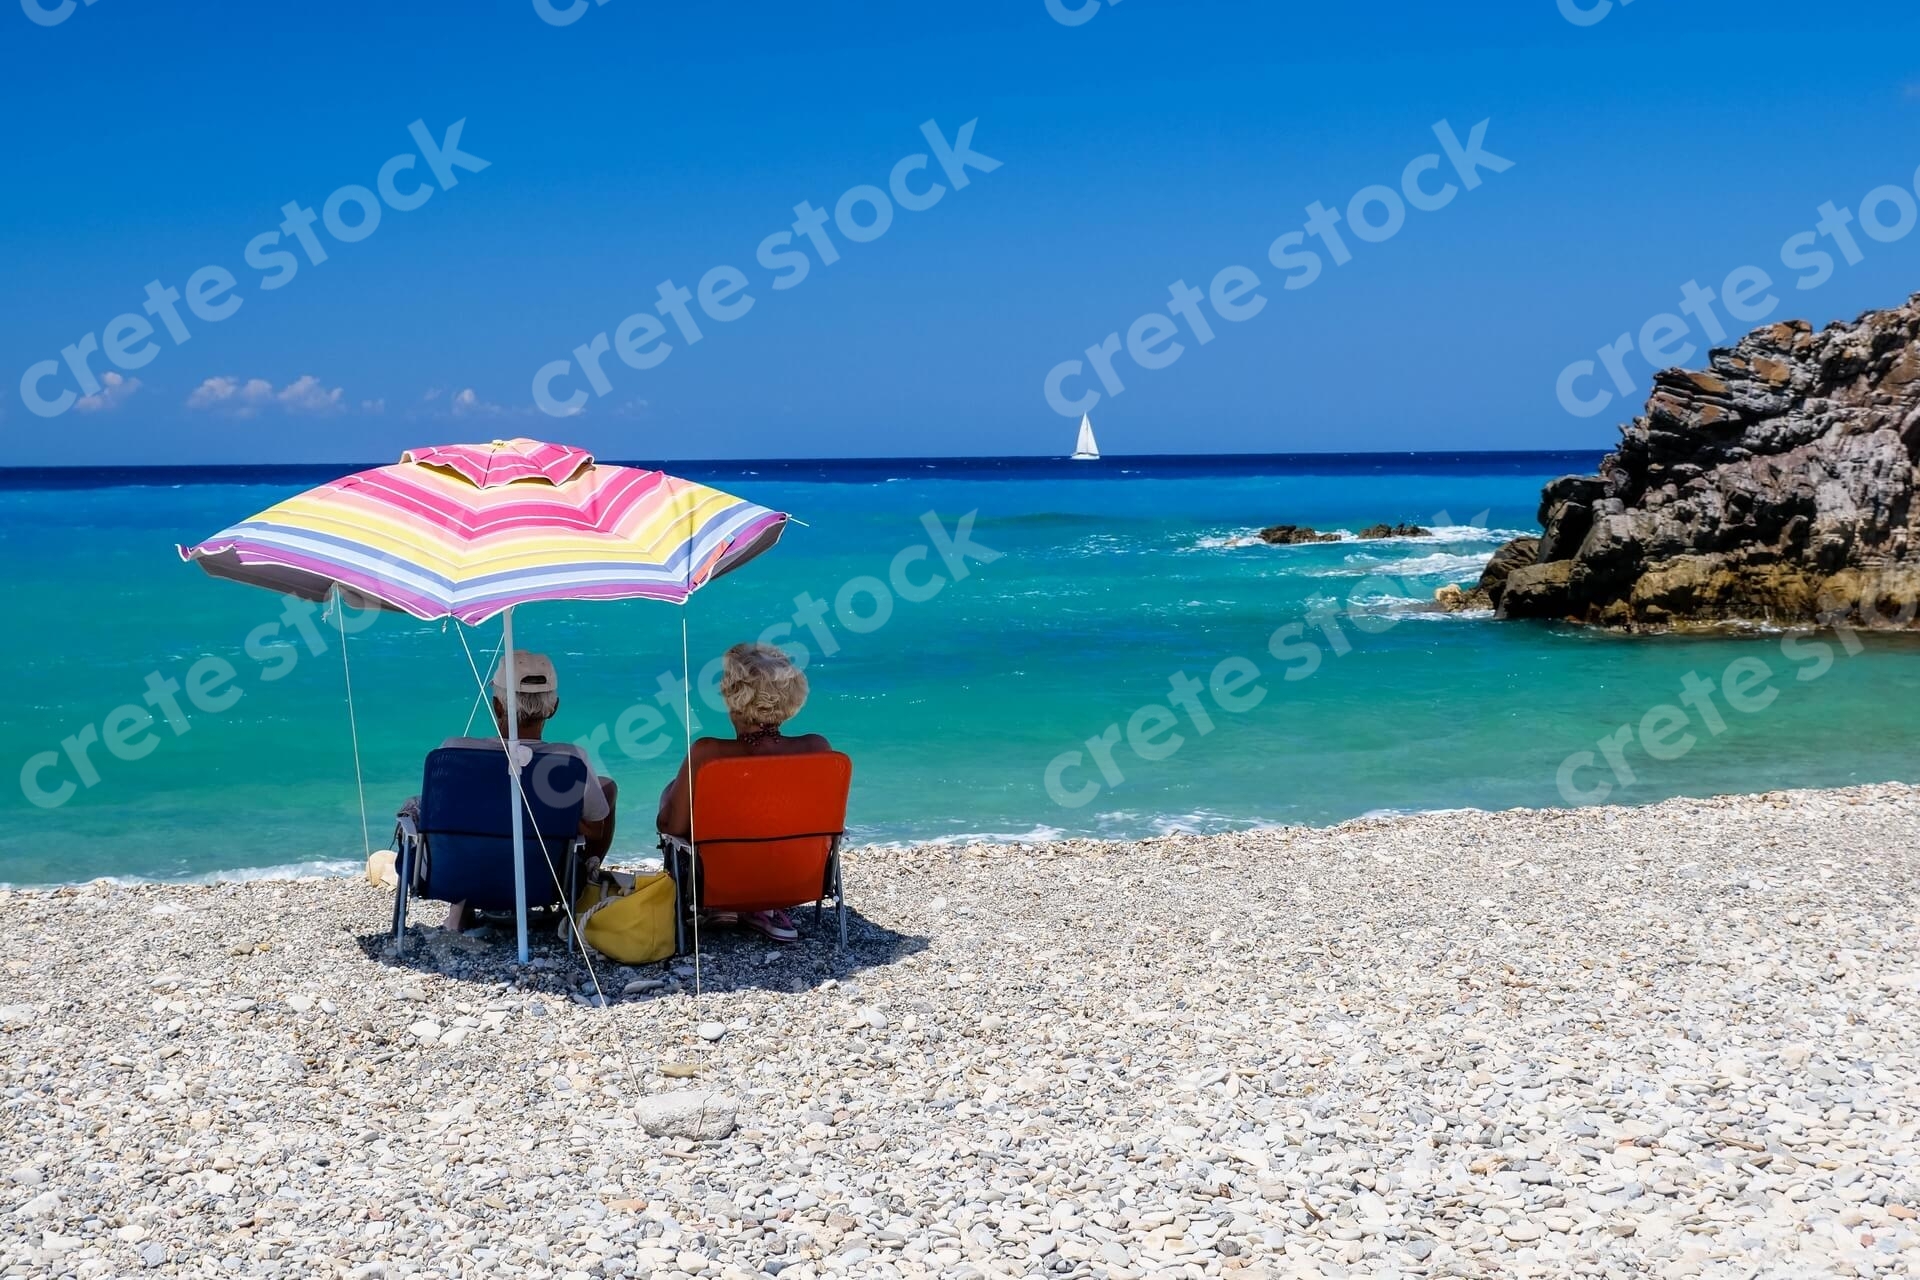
<point x="628" y="919"/>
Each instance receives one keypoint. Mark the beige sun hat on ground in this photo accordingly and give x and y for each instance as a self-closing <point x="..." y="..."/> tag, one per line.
<point x="380" y="869"/>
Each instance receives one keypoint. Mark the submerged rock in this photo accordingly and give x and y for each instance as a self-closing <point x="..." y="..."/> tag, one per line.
<point x="1288" y="534"/>
<point x="1778" y="485"/>
<point x="1282" y="535"/>
<point x="1455" y="599"/>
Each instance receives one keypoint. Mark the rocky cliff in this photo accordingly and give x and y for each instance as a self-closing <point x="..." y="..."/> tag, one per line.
<point x="1776" y="486"/>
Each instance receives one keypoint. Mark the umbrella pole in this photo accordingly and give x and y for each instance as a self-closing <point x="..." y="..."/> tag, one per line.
<point x="511" y="697"/>
<point x="686" y="694"/>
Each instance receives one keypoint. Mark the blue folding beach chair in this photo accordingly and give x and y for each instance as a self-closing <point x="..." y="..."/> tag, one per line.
<point x="460" y="849"/>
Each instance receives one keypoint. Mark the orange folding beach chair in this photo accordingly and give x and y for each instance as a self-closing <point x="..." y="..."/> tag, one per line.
<point x="766" y="837"/>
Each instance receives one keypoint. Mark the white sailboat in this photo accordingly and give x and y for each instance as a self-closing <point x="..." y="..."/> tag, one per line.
<point x="1085" y="449"/>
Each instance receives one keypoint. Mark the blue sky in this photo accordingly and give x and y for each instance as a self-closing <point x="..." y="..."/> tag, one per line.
<point x="1671" y="140"/>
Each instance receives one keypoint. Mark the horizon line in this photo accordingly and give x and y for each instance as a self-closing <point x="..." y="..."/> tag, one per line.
<point x="841" y="460"/>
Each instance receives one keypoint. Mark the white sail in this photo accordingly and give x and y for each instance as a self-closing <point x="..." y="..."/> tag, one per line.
<point x="1085" y="449"/>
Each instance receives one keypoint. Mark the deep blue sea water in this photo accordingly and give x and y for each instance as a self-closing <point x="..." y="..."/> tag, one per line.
<point x="1111" y="581"/>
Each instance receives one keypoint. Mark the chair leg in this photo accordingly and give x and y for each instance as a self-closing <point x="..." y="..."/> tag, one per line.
<point x="403" y="868"/>
<point x="570" y="905"/>
<point x="827" y="883"/>
<point x="840" y="898"/>
<point x="693" y="908"/>
<point x="678" y="870"/>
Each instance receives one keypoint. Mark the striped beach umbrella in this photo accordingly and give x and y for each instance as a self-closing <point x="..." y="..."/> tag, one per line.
<point x="469" y="531"/>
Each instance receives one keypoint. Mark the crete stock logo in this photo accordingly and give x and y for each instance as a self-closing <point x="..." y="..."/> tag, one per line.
<point x="41" y="14"/>
<point x="1580" y="15"/>
<point x="1072" y="13"/>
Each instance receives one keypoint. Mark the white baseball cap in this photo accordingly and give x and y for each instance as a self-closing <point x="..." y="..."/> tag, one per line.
<point x="532" y="673"/>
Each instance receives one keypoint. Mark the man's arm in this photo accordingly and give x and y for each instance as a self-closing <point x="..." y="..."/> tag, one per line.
<point x="599" y="833"/>
<point x="673" y="818"/>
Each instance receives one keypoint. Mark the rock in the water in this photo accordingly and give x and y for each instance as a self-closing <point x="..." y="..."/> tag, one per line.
<point x="1454" y="599"/>
<point x="1282" y="535"/>
<point x="1566" y="512"/>
<point x="1779" y="485"/>
<point x="690" y="1113"/>
<point x="1373" y="531"/>
<point x="1538" y="591"/>
<point x="1517" y="554"/>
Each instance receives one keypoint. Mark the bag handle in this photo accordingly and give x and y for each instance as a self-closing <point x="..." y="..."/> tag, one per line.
<point x="611" y="891"/>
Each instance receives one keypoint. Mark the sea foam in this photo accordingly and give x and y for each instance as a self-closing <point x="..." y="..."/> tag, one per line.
<point x="314" y="869"/>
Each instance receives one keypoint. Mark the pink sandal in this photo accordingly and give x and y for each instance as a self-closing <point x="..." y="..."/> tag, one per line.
<point x="775" y="924"/>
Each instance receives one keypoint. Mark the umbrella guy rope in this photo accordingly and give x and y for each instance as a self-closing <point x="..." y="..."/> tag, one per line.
<point x="586" y="952"/>
<point x="480" y="697"/>
<point x="353" y="723"/>
<point x="526" y="804"/>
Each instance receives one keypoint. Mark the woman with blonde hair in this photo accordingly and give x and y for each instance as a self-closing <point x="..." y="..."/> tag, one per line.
<point x="762" y="690"/>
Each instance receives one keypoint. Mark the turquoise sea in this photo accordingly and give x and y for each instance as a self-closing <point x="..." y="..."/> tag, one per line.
<point x="1111" y="580"/>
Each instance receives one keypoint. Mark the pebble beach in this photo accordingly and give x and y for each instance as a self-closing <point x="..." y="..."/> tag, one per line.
<point x="1681" y="1040"/>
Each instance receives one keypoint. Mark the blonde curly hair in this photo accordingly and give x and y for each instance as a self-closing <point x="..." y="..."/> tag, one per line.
<point x="760" y="684"/>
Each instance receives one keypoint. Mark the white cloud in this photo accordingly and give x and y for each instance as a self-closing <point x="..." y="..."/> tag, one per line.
<point x="230" y="395"/>
<point x="304" y="394"/>
<point x="373" y="406"/>
<point x="112" y="394"/>
<point x="467" y="404"/>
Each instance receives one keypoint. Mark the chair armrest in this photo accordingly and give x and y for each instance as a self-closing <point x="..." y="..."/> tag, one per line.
<point x="405" y="828"/>
<point x="674" y="844"/>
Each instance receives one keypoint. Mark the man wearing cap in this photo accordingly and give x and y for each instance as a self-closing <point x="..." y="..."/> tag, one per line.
<point x="536" y="691"/>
